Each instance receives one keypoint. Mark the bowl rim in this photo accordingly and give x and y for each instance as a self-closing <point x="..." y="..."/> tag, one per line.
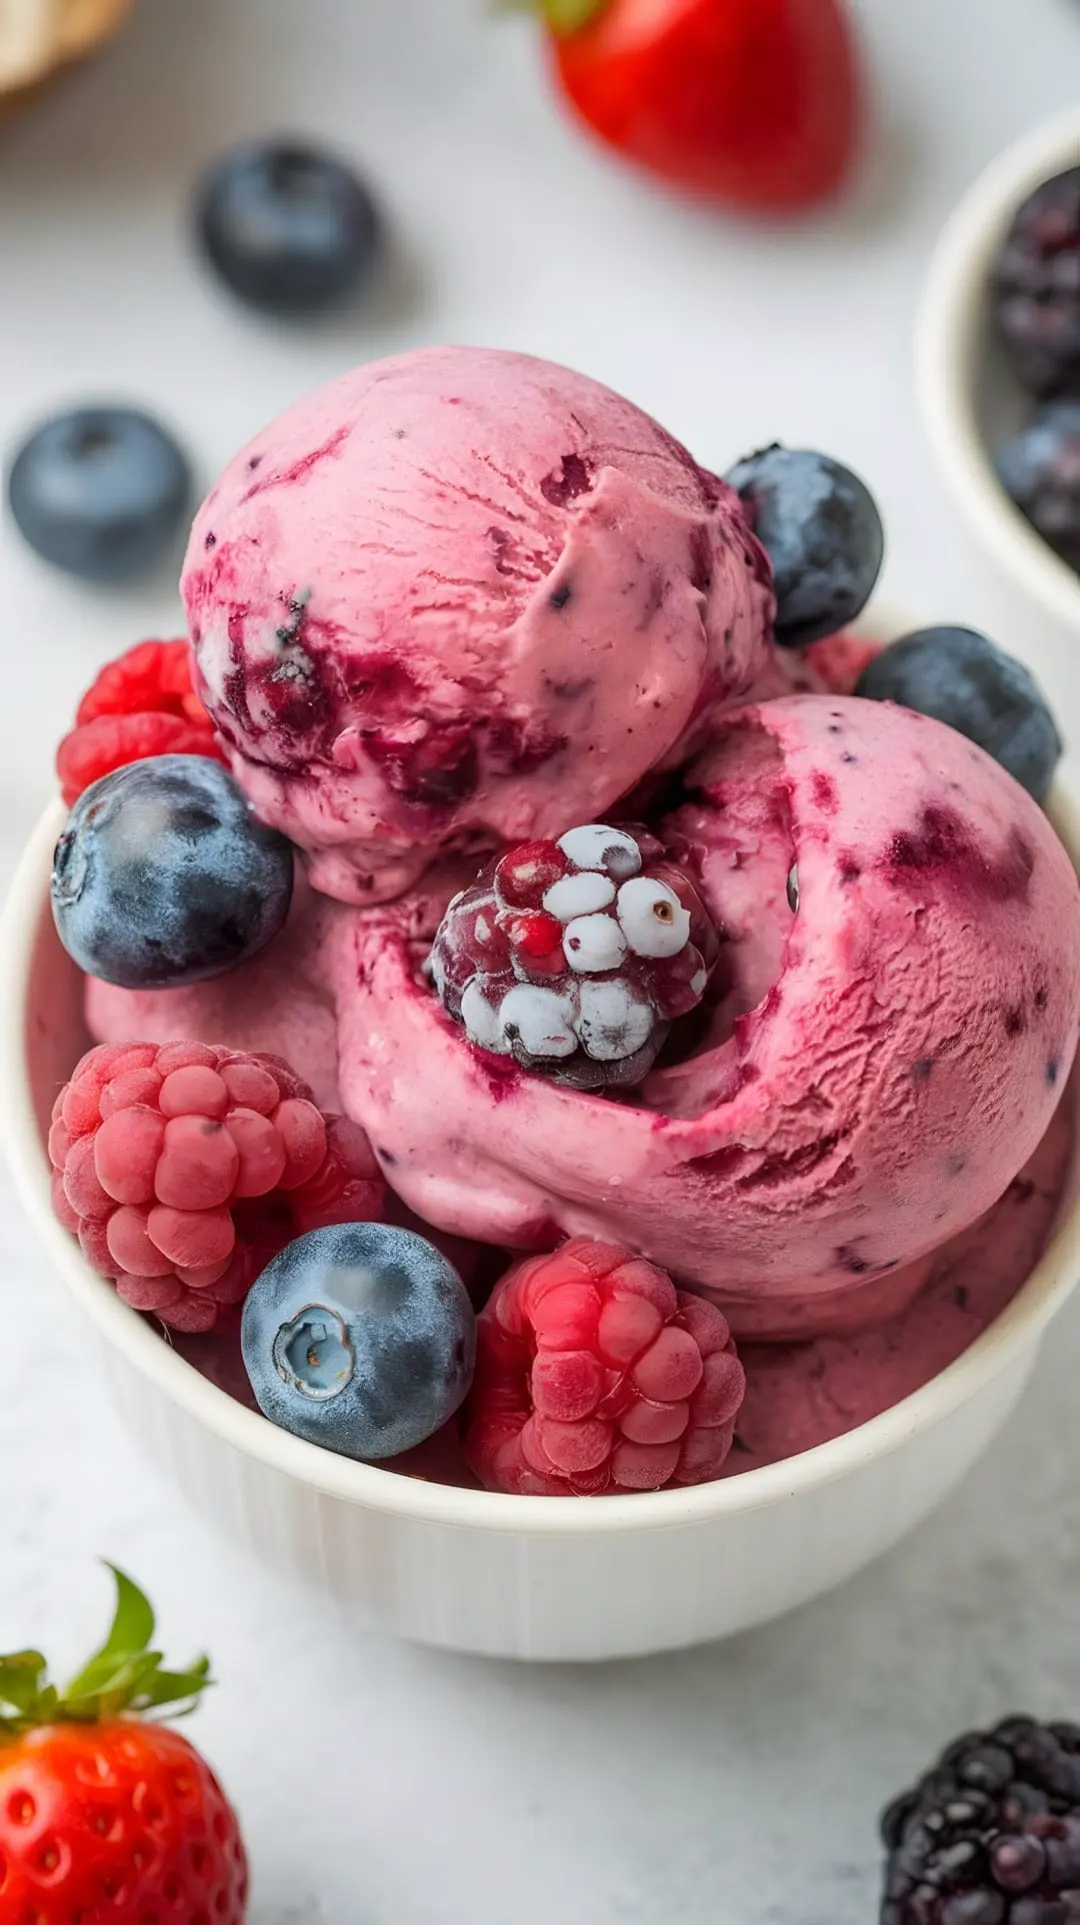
<point x="1002" y="1344"/>
<point x="950" y="322"/>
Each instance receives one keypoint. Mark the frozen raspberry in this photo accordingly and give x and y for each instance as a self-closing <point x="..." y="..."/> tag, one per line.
<point x="841" y="659"/>
<point x="594" y="1374"/>
<point x="183" y="1169"/>
<point x="142" y="704"/>
<point x="575" y="957"/>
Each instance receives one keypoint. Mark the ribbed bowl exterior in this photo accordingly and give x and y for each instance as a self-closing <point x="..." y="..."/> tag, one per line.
<point x="527" y="1578"/>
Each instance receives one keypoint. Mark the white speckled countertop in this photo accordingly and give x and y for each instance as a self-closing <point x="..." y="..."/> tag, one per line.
<point x="734" y="1786"/>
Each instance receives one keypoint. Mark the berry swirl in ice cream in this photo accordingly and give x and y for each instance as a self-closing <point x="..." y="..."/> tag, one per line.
<point x="889" y="1049"/>
<point x="462" y="599"/>
<point x="621" y="925"/>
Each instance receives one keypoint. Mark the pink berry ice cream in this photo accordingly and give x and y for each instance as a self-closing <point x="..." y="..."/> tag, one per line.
<point x="460" y="599"/>
<point x="800" y="1395"/>
<point x="497" y="655"/>
<point x="889" y="1053"/>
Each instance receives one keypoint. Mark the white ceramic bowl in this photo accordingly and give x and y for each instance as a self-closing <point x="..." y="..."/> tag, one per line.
<point x="971" y="400"/>
<point x="518" y="1577"/>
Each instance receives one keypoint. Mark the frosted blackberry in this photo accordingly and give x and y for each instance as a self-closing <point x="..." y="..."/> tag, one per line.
<point x="991" y="1836"/>
<point x="575" y="957"/>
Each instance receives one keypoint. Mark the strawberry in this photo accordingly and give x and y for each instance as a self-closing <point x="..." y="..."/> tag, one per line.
<point x="106" y="1815"/>
<point x="752" y="103"/>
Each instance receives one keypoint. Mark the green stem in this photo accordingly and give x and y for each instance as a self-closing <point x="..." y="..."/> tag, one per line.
<point x="564" y="17"/>
<point x="125" y="1677"/>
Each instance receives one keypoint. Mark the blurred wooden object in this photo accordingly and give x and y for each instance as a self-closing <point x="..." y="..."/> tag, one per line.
<point x="39" y="36"/>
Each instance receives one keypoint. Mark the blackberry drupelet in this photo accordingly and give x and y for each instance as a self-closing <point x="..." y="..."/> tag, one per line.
<point x="991" y="1836"/>
<point x="1036" y="288"/>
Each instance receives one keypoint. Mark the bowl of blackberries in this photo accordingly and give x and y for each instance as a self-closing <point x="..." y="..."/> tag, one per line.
<point x="999" y="362"/>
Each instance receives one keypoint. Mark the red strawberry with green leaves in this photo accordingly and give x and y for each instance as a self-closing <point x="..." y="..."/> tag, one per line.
<point x="106" y="1816"/>
<point x="756" y="104"/>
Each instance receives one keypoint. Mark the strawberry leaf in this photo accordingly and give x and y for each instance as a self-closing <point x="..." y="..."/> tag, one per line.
<point x="21" y="1677"/>
<point x="123" y="1678"/>
<point x="110" y="1684"/>
<point x="129" y="1634"/>
<point x="180" y="1689"/>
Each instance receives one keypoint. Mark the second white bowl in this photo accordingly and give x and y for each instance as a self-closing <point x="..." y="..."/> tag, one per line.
<point x="971" y="400"/>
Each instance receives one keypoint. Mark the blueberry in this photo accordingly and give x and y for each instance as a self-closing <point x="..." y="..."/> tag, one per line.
<point x="101" y="492"/>
<point x="289" y="228"/>
<point x="163" y="876"/>
<point x="823" y="534"/>
<point x="360" y="1338"/>
<point x="1041" y="472"/>
<point x="960" y="678"/>
<point x="1035" y="288"/>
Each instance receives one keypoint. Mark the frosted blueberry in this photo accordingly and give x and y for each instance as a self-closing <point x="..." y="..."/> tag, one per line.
<point x="100" y="492"/>
<point x="823" y="534"/>
<point x="163" y="876"/>
<point x="360" y="1338"/>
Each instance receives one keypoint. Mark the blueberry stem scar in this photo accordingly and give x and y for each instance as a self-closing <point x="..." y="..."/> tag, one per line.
<point x="313" y="1353"/>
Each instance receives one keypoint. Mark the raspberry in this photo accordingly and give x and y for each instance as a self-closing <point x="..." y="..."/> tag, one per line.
<point x="576" y="957"/>
<point x="594" y="1374"/>
<point x="142" y="704"/>
<point x="841" y="659"/>
<point x="991" y="1836"/>
<point x="183" y="1169"/>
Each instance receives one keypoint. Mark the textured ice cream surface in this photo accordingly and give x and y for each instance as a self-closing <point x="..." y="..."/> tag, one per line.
<point x="281" y="1004"/>
<point x="464" y="598"/>
<point x="802" y="1395"/>
<point x="887" y="1055"/>
<point x="890" y="1054"/>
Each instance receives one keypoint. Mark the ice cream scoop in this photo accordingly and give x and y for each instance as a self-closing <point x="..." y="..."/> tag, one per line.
<point x="280" y="1004"/>
<point x="898" y="1020"/>
<point x="800" y="1395"/>
<point x="464" y="598"/>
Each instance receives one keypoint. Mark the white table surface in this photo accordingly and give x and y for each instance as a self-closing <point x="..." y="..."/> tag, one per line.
<point x="734" y="1786"/>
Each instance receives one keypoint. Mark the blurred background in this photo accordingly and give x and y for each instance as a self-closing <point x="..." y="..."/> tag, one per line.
<point x="738" y="1784"/>
<point x="508" y="226"/>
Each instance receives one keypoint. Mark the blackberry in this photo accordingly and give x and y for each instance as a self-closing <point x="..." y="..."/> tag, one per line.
<point x="1036" y="288"/>
<point x="991" y="1836"/>
<point x="575" y="957"/>
<point x="1040" y="471"/>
